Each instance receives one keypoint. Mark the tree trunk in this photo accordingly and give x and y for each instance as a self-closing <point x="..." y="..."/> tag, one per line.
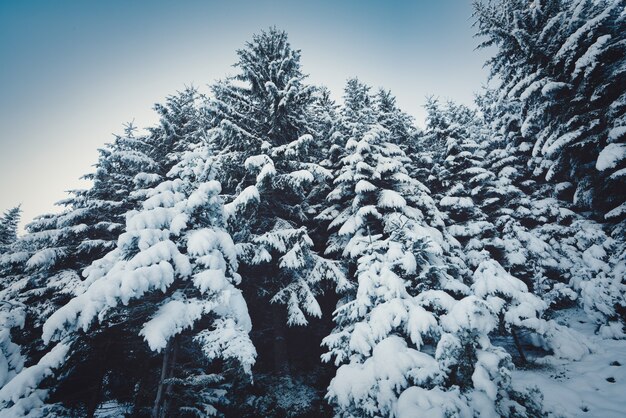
<point x="281" y="361"/>
<point x="168" y="387"/>
<point x="518" y="345"/>
<point x="167" y="367"/>
<point x="96" y="397"/>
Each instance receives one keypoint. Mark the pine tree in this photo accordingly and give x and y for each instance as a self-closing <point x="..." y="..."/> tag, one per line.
<point x="12" y="313"/>
<point x="562" y="111"/>
<point x="458" y="177"/>
<point x="269" y="158"/>
<point x="183" y="124"/>
<point x="561" y="61"/>
<point x="42" y="270"/>
<point x="410" y="297"/>
<point x="8" y="227"/>
<point x="11" y="359"/>
<point x="383" y="234"/>
<point x="45" y="265"/>
<point x="399" y="123"/>
<point x="538" y="238"/>
<point x="267" y="130"/>
<point x="464" y="177"/>
<point x="176" y="238"/>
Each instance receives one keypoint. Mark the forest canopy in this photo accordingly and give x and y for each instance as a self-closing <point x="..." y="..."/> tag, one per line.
<point x="263" y="250"/>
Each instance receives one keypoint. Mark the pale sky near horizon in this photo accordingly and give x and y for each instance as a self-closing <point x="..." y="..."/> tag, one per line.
<point x="73" y="72"/>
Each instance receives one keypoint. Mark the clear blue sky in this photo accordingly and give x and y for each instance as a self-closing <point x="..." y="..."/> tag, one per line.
<point x="72" y="72"/>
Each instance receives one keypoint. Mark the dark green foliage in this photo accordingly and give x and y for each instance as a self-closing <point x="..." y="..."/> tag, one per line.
<point x="524" y="181"/>
<point x="9" y="223"/>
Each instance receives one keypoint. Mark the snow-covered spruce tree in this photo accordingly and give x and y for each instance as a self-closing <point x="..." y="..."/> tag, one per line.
<point x="42" y="270"/>
<point x="327" y="127"/>
<point x="12" y="312"/>
<point x="428" y="149"/>
<point x="562" y="61"/>
<point x="451" y="129"/>
<point x="56" y="247"/>
<point x="483" y="189"/>
<point x="183" y="124"/>
<point x="458" y="178"/>
<point x="45" y="265"/>
<point x="519" y="311"/>
<point x="9" y="223"/>
<point x="272" y="146"/>
<point x="267" y="153"/>
<point x="434" y="138"/>
<point x="357" y="111"/>
<point x="11" y="359"/>
<point x="174" y="271"/>
<point x="370" y="229"/>
<point x="405" y="134"/>
<point x="399" y="123"/>
<point x="325" y="116"/>
<point x="463" y="179"/>
<point x="562" y="256"/>
<point x="402" y="305"/>
<point x="360" y="110"/>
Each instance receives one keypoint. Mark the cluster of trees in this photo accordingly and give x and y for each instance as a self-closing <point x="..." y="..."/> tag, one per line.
<point x="264" y="251"/>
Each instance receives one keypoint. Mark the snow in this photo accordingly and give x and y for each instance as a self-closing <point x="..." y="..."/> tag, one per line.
<point x="228" y="339"/>
<point x="610" y="156"/>
<point x="471" y="314"/>
<point x="616" y="133"/>
<point x="571" y="43"/>
<point x="372" y="385"/>
<point x="301" y="176"/>
<point x="589" y="60"/>
<point x="592" y="386"/>
<point x="470" y="229"/>
<point x="22" y="390"/>
<point x="113" y="409"/>
<point x="267" y="171"/>
<point x="618" y="175"/>
<point x="44" y="258"/>
<point x="364" y="186"/>
<point x="553" y="87"/>
<point x="554" y="145"/>
<point x="261" y="164"/>
<point x="616" y="212"/>
<point x="294" y="258"/>
<point x="482" y="378"/>
<point x="490" y="278"/>
<point x="533" y="87"/>
<point x="248" y="196"/>
<point x="456" y="202"/>
<point x="142" y="179"/>
<point x="205" y="241"/>
<point x="390" y="199"/>
<point x="173" y="317"/>
<point x="417" y="402"/>
<point x="11" y="359"/>
<point x="212" y="280"/>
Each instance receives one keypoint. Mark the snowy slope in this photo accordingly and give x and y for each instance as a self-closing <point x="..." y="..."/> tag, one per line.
<point x="595" y="386"/>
